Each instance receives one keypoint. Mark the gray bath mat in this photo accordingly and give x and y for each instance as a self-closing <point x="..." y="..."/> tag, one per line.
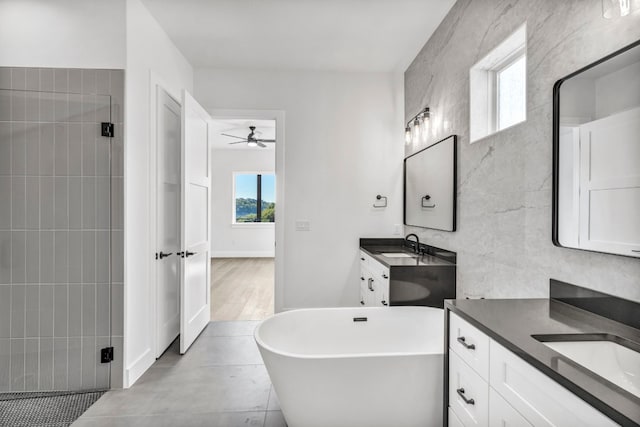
<point x="56" y="409"/>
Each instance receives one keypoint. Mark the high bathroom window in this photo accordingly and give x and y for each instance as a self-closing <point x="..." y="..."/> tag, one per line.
<point x="498" y="87"/>
<point x="511" y="93"/>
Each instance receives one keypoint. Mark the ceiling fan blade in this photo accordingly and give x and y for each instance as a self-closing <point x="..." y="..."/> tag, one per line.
<point x="266" y="140"/>
<point x="237" y="142"/>
<point x="233" y="136"/>
<point x="260" y="144"/>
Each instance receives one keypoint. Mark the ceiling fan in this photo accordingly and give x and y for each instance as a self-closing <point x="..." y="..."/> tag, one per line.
<point x="251" y="139"/>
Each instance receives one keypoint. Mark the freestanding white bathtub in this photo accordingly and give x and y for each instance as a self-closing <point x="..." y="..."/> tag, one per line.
<point x="330" y="370"/>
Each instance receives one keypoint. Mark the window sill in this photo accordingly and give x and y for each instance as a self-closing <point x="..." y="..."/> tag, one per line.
<point x="252" y="225"/>
<point x="480" y="138"/>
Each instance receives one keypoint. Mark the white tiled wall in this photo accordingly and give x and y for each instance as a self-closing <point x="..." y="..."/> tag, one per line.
<point x="60" y="228"/>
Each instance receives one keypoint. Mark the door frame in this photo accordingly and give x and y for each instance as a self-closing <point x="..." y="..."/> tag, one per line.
<point x="155" y="80"/>
<point x="279" y="117"/>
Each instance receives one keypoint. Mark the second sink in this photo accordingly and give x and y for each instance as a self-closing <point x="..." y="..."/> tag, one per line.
<point x="602" y="355"/>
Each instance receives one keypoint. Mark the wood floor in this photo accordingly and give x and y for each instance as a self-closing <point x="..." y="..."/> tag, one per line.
<point x="241" y="288"/>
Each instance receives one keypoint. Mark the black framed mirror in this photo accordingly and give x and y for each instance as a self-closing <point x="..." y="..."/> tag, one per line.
<point x="430" y="186"/>
<point x="596" y="156"/>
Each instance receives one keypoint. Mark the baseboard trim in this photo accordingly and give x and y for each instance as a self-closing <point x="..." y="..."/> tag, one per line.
<point x="243" y="254"/>
<point x="138" y="367"/>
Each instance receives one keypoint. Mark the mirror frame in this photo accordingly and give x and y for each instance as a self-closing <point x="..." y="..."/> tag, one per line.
<point x="455" y="185"/>
<point x="556" y="147"/>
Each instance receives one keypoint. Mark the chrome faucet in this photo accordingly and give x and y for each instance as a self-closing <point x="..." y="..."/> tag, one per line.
<point x="416" y="246"/>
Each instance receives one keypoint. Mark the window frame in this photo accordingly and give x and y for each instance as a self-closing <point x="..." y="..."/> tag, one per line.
<point x="257" y="224"/>
<point x="484" y="85"/>
<point x="495" y="90"/>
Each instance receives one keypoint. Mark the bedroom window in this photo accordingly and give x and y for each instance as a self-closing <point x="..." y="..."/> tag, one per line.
<point x="248" y="189"/>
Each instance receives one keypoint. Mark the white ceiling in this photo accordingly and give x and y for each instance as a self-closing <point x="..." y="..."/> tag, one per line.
<point x="341" y="35"/>
<point x="265" y="129"/>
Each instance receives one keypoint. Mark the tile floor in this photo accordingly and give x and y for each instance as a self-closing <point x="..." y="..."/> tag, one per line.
<point x="220" y="382"/>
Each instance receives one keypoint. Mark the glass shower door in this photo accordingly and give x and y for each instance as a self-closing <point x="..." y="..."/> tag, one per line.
<point x="55" y="241"/>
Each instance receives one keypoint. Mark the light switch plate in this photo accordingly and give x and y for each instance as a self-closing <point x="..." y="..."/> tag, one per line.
<point x="303" y="225"/>
<point x="397" y="229"/>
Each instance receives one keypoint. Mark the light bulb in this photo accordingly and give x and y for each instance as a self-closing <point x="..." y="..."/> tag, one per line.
<point x="416" y="129"/>
<point x="625" y="7"/>
<point x="425" y="126"/>
<point x="615" y="8"/>
<point x="407" y="135"/>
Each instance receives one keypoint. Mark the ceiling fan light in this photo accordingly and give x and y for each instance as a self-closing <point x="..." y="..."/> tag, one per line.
<point x="252" y="144"/>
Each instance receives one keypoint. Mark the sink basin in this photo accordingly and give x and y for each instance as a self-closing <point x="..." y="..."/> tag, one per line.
<point x="396" y="255"/>
<point x="610" y="360"/>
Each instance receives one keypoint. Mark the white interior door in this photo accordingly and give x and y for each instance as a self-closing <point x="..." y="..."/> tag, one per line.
<point x="196" y="190"/>
<point x="610" y="184"/>
<point x="168" y="220"/>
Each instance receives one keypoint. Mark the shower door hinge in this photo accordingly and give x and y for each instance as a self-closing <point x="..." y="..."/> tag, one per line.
<point x="106" y="355"/>
<point x="107" y="129"/>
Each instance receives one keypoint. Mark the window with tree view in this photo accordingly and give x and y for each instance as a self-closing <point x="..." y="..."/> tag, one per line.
<point x="249" y="188"/>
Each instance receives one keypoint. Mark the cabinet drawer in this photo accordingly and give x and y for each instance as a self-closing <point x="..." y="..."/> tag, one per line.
<point x="377" y="269"/>
<point x="454" y="421"/>
<point x="502" y="414"/>
<point x="541" y="401"/>
<point x="468" y="393"/>
<point x="366" y="259"/>
<point x="470" y="344"/>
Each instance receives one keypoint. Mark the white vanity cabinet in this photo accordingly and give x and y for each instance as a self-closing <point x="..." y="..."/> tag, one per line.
<point x="374" y="282"/>
<point x="491" y="386"/>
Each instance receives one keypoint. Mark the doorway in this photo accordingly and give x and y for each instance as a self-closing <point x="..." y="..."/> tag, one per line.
<point x="243" y="226"/>
<point x="169" y="183"/>
<point x="180" y="174"/>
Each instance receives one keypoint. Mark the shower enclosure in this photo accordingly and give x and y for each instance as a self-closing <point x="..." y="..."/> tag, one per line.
<point x="60" y="226"/>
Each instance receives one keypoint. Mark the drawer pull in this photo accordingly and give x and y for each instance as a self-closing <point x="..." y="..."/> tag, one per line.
<point x="467" y="401"/>
<point x="384" y="276"/>
<point x="462" y="341"/>
<point x="361" y="259"/>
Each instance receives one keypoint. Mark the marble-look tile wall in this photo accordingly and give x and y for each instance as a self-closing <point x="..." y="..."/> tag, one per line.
<point x="504" y="190"/>
<point x="61" y="228"/>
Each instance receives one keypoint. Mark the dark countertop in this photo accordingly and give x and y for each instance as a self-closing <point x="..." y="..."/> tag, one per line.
<point x="429" y="255"/>
<point x="415" y="260"/>
<point x="511" y="322"/>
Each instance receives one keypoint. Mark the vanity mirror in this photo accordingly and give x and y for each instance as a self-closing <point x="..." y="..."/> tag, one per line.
<point x="430" y="186"/>
<point x="596" y="156"/>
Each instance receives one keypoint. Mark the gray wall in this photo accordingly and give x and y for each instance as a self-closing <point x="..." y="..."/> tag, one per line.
<point x="504" y="180"/>
<point x="61" y="300"/>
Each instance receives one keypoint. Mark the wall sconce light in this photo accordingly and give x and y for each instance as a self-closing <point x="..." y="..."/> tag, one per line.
<point x="417" y="126"/>
<point x="615" y="8"/>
